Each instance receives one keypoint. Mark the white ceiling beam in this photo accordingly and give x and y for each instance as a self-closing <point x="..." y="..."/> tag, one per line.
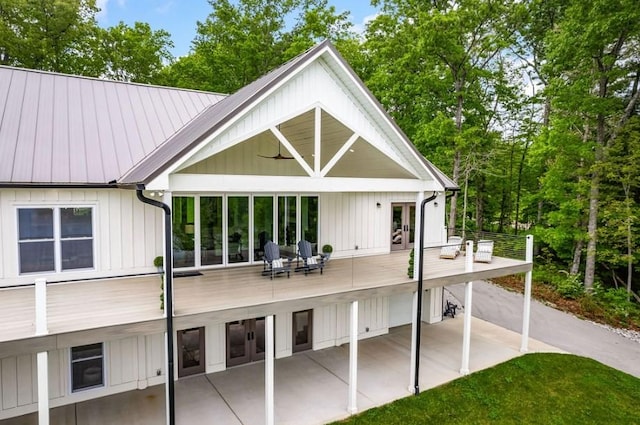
<point x="317" y="142"/>
<point x="339" y="154"/>
<point x="292" y="150"/>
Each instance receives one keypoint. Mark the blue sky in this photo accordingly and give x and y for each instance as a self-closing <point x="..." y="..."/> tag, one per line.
<point x="179" y="17"/>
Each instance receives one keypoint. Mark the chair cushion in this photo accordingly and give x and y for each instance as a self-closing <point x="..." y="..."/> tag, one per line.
<point x="277" y="264"/>
<point x="311" y="261"/>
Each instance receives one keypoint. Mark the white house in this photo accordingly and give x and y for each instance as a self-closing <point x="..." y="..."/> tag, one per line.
<point x="304" y="153"/>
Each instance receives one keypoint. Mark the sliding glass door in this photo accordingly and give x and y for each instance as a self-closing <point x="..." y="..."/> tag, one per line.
<point x="220" y="230"/>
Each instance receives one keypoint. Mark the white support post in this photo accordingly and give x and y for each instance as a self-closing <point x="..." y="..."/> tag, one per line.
<point x="353" y="359"/>
<point x="414" y="341"/>
<point x="468" y="292"/>
<point x="526" y="311"/>
<point x="42" y="357"/>
<point x="269" y="399"/>
<point x="416" y="224"/>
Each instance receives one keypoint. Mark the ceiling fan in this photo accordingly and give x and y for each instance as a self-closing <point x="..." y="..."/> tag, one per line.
<point x="278" y="156"/>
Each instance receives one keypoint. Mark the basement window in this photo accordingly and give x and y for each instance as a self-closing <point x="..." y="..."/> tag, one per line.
<point x="87" y="367"/>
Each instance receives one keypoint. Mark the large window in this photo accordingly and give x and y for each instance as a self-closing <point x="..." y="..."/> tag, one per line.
<point x="221" y="230"/>
<point x="55" y="239"/>
<point x="87" y="367"/>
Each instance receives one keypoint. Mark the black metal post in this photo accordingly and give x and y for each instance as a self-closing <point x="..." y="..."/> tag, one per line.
<point x="416" y="389"/>
<point x="168" y="296"/>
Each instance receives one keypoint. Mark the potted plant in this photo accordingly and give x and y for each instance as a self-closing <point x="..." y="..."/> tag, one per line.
<point x="158" y="262"/>
<point x="326" y="251"/>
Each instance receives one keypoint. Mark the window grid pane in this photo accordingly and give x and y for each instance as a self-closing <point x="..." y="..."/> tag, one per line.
<point x="87" y="367"/>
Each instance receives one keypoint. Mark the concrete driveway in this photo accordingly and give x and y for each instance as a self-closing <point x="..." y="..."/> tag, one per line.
<point x="548" y="325"/>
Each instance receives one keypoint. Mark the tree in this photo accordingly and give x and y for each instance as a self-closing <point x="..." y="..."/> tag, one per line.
<point x="54" y="36"/>
<point x="63" y="36"/>
<point x="593" y="56"/>
<point x="241" y="41"/>
<point x="134" y="53"/>
<point x="443" y="57"/>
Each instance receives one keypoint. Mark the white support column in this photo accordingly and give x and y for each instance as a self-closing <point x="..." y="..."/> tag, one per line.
<point x="416" y="236"/>
<point x="414" y="342"/>
<point x="167" y="198"/>
<point x="269" y="399"/>
<point x="43" y="357"/>
<point x="353" y="359"/>
<point x="526" y="311"/>
<point x="468" y="292"/>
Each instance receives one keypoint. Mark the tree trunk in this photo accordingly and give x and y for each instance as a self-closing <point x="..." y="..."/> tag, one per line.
<point x="577" y="257"/>
<point x="454" y="199"/>
<point x="480" y="202"/>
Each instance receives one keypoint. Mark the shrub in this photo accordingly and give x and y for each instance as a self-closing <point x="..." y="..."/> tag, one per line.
<point x="570" y="286"/>
<point x="410" y="269"/>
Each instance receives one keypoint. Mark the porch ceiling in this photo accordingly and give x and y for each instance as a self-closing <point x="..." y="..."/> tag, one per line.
<point x="81" y="312"/>
<point x="253" y="156"/>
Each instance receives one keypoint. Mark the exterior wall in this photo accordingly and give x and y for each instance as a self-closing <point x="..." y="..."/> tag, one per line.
<point x="127" y="233"/>
<point x="352" y="219"/>
<point x="130" y="363"/>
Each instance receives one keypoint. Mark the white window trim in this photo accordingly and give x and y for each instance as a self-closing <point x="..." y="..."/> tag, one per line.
<point x="57" y="241"/>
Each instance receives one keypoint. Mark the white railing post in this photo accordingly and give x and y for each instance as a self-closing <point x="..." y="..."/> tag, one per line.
<point x="353" y="359"/>
<point x="468" y="292"/>
<point x="42" y="357"/>
<point x="269" y="380"/>
<point x="526" y="311"/>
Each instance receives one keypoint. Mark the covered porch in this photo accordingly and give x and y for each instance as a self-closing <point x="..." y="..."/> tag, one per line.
<point x="310" y="387"/>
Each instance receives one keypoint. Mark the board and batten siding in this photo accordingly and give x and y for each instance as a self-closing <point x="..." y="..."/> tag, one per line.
<point x="126" y="361"/>
<point x="127" y="233"/>
<point x="353" y="219"/>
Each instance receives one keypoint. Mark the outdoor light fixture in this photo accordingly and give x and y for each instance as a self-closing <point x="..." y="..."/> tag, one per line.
<point x="435" y="204"/>
<point x="378" y="204"/>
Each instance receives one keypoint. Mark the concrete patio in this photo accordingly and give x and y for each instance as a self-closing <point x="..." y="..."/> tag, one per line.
<point x="310" y="387"/>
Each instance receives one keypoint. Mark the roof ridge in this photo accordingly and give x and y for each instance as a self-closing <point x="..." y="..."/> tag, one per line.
<point x="106" y="80"/>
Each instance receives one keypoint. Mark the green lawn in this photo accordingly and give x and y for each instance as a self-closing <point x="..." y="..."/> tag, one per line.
<point x="532" y="389"/>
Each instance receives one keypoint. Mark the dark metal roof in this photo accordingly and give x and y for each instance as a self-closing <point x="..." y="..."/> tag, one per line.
<point x="62" y="130"/>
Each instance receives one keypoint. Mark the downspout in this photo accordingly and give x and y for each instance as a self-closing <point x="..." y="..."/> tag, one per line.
<point x="425" y="201"/>
<point x="168" y="296"/>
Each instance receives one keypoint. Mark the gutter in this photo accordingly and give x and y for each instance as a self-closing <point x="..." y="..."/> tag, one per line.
<point x="168" y="298"/>
<point x="425" y="201"/>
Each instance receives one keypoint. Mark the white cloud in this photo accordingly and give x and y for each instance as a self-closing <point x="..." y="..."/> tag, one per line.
<point x="360" y="27"/>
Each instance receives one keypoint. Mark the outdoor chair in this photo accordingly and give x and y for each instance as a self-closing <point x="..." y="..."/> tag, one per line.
<point x="452" y="248"/>
<point x="273" y="263"/>
<point x="484" y="252"/>
<point x="309" y="262"/>
<point x="450" y="309"/>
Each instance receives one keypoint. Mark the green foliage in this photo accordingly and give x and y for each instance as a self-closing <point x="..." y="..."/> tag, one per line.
<point x="532" y="389"/>
<point x="570" y="286"/>
<point x="411" y="261"/>
<point x="158" y="261"/>
<point x="242" y="40"/>
<point x="327" y="249"/>
<point x="63" y="36"/>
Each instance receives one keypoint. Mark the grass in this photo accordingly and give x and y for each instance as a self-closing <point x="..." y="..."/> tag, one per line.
<point x="531" y="389"/>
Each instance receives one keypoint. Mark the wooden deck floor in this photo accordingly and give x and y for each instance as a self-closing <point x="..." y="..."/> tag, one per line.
<point x="132" y="305"/>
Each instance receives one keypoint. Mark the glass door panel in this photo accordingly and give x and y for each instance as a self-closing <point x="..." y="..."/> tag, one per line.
<point x="183" y="231"/>
<point x="258" y="339"/>
<point x="287" y="226"/>
<point x="403" y="218"/>
<point x="309" y="221"/>
<point x="397" y="226"/>
<point x="262" y="224"/>
<point x="302" y="330"/>
<point x="210" y="230"/>
<point x="237" y="343"/>
<point x="238" y="229"/>
<point x="191" y="358"/>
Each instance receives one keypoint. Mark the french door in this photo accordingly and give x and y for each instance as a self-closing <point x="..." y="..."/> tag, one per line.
<point x="403" y="218"/>
<point x="302" y="330"/>
<point x="245" y="341"/>
<point x="191" y="358"/>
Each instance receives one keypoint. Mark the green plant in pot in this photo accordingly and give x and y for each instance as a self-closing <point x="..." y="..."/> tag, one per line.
<point x="326" y="251"/>
<point x="158" y="262"/>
